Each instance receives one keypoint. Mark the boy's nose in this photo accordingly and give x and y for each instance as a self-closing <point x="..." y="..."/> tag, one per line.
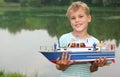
<point x="77" y="20"/>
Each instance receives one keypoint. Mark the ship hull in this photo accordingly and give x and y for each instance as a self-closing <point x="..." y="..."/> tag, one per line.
<point x="80" y="56"/>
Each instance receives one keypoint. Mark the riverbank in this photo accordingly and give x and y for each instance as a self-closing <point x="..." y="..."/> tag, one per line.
<point x="11" y="74"/>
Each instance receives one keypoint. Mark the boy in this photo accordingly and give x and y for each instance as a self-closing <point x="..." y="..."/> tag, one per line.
<point x="79" y="17"/>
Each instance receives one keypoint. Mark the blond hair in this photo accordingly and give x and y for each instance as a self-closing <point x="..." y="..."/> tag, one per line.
<point x="77" y="5"/>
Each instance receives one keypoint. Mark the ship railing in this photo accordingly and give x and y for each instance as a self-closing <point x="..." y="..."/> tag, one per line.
<point x="46" y="48"/>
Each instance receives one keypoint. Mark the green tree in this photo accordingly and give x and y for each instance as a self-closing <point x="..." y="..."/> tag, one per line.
<point x="35" y="3"/>
<point x="30" y="3"/>
<point x="64" y="2"/>
<point x="97" y="2"/>
<point x="23" y="3"/>
<point x="12" y="0"/>
<point x="111" y="2"/>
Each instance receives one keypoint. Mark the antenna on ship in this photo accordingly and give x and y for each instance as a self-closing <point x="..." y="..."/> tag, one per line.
<point x="58" y="44"/>
<point x="94" y="47"/>
<point x="55" y="47"/>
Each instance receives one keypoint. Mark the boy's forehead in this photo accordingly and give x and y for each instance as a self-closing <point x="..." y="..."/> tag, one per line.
<point x="80" y="10"/>
<point x="74" y="11"/>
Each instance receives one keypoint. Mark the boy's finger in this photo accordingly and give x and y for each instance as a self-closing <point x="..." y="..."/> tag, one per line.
<point x="58" y="59"/>
<point x="66" y="56"/>
<point x="71" y="62"/>
<point x="63" y="56"/>
<point x="69" y="57"/>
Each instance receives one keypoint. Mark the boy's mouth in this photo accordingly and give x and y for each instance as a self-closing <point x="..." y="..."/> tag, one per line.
<point x="78" y="25"/>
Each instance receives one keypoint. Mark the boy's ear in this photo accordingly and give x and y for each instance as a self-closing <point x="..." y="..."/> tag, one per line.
<point x="89" y="18"/>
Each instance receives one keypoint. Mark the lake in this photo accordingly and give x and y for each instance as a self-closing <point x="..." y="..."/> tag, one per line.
<point x="23" y="32"/>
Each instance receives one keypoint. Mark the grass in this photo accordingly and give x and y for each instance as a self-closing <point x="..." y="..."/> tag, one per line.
<point x="11" y="74"/>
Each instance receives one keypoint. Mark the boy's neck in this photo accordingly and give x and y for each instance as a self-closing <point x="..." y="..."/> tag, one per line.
<point x="80" y="35"/>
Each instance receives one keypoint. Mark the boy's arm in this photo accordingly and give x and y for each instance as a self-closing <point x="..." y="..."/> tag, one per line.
<point x="93" y="67"/>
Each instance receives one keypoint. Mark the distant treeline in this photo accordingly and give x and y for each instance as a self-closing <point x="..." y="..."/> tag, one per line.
<point x="39" y="3"/>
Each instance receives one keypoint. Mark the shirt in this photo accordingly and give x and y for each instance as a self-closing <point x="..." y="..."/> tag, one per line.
<point x="77" y="70"/>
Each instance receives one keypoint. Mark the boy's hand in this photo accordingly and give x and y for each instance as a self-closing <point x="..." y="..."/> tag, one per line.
<point x="98" y="63"/>
<point x="64" y="62"/>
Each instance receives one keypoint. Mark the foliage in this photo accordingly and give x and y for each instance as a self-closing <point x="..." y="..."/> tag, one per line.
<point x="3" y="74"/>
<point x="9" y="5"/>
<point x="39" y="3"/>
<point x="11" y="0"/>
<point x="111" y="3"/>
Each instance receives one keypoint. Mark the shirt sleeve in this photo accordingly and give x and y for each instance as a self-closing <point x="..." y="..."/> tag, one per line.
<point x="63" y="41"/>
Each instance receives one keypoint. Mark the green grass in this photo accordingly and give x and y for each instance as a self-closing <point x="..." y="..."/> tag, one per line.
<point x="11" y="74"/>
<point x="1" y="0"/>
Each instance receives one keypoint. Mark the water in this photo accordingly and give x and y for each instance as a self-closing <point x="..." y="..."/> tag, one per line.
<point x="20" y="52"/>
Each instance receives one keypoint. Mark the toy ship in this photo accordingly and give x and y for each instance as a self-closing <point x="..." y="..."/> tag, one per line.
<point x="79" y="52"/>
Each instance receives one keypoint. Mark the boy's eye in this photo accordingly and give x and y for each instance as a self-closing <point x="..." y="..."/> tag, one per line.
<point x="80" y="16"/>
<point x="72" y="18"/>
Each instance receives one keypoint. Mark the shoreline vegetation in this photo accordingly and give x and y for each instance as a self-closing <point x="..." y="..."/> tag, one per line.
<point x="52" y="8"/>
<point x="61" y="10"/>
<point x="11" y="74"/>
<point x="11" y="6"/>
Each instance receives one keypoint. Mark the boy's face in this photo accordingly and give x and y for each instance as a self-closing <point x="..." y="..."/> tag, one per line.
<point x="79" y="20"/>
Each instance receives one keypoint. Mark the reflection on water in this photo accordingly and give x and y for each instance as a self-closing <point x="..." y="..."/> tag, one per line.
<point x="22" y="49"/>
<point x="22" y="34"/>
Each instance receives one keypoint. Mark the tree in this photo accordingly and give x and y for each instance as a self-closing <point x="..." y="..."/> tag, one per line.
<point x="64" y="2"/>
<point x="23" y="3"/>
<point x="12" y="0"/>
<point x="111" y="2"/>
<point x="97" y="2"/>
<point x="34" y="3"/>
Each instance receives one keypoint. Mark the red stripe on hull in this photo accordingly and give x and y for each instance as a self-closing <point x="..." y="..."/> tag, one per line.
<point x="53" y="61"/>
